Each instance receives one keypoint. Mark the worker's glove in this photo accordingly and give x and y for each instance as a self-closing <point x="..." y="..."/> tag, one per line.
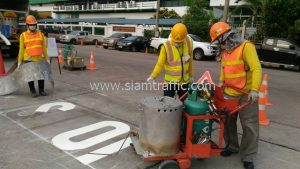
<point x="19" y="65"/>
<point x="192" y="80"/>
<point x="253" y="96"/>
<point x="150" y="79"/>
<point x="221" y="84"/>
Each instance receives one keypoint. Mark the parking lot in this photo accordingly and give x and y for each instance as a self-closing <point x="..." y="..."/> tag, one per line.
<point x="72" y="126"/>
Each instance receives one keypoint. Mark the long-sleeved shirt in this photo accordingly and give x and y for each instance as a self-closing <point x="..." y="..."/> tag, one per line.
<point x="23" y="55"/>
<point x="162" y="61"/>
<point x="253" y="75"/>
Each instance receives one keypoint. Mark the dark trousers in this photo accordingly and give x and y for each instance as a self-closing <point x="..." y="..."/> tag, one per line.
<point x="170" y="89"/>
<point x="249" y="121"/>
<point x="32" y="88"/>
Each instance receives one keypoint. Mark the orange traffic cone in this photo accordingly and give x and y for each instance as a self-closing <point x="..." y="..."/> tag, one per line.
<point x="2" y="68"/>
<point x="92" y="65"/>
<point x="265" y="82"/>
<point x="263" y="120"/>
<point x="60" y="58"/>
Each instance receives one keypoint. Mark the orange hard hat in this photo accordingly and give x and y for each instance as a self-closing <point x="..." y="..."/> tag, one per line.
<point x="179" y="32"/>
<point x="30" y="20"/>
<point x="218" y="29"/>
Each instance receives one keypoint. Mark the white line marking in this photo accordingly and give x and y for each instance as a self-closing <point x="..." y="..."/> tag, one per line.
<point x="101" y="94"/>
<point x="97" y="154"/>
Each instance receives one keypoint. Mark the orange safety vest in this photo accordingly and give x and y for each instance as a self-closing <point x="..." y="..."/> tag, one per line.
<point x="33" y="43"/>
<point x="233" y="66"/>
<point x="173" y="67"/>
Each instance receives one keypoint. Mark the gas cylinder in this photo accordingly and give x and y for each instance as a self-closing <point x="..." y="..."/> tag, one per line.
<point x="195" y="105"/>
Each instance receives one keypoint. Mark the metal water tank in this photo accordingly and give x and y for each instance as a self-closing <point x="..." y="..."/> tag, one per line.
<point x="160" y="125"/>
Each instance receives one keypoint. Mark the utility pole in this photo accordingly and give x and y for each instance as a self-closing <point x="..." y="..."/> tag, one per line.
<point x="244" y="29"/>
<point x="226" y="9"/>
<point x="157" y="19"/>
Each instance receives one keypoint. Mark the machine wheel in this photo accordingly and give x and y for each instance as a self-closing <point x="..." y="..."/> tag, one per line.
<point x="133" y="48"/>
<point x="105" y="47"/>
<point x="73" y="41"/>
<point x="169" y="164"/>
<point x="198" y="54"/>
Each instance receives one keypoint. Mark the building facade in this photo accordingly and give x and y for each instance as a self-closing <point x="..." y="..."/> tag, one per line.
<point x="133" y="9"/>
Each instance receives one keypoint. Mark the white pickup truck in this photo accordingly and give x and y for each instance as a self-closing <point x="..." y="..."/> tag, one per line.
<point x="200" y="49"/>
<point x="76" y="36"/>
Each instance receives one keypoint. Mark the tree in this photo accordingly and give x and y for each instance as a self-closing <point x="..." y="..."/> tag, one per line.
<point x="277" y="21"/>
<point x="166" y="14"/>
<point x="197" y="19"/>
<point x="34" y="13"/>
<point x="294" y="31"/>
<point x="190" y="3"/>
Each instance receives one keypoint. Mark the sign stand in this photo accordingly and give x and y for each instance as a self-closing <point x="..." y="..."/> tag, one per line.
<point x="52" y="51"/>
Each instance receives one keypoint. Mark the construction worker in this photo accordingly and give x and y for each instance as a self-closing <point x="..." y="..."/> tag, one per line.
<point x="33" y="49"/>
<point x="176" y="57"/>
<point x="241" y="78"/>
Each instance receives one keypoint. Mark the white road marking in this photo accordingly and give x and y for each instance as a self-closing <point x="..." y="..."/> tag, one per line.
<point x="65" y="106"/>
<point x="62" y="141"/>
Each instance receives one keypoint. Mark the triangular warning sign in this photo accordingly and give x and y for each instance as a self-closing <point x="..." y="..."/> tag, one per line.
<point x="205" y="77"/>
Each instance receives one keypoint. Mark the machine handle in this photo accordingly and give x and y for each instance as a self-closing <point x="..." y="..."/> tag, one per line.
<point x="241" y="107"/>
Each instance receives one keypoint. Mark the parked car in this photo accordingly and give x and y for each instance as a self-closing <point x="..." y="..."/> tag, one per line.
<point x="200" y="49"/>
<point x="279" y="51"/>
<point x="75" y="37"/>
<point x="114" y="39"/>
<point x="56" y="34"/>
<point x="134" y="43"/>
<point x="203" y="49"/>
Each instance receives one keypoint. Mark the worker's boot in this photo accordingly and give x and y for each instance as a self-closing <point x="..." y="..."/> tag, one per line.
<point x="227" y="152"/>
<point x="41" y="88"/>
<point x="32" y="89"/>
<point x="248" y="165"/>
<point x="33" y="94"/>
<point x="42" y="93"/>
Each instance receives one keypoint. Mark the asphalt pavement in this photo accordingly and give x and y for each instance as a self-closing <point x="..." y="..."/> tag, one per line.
<point x="77" y="126"/>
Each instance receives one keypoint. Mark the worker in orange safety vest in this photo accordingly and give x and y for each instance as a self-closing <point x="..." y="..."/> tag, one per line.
<point x="176" y="58"/>
<point x="33" y="49"/>
<point x="240" y="74"/>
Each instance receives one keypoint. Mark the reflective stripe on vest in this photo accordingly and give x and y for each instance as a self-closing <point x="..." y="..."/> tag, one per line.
<point x="33" y="43"/>
<point x="234" y="68"/>
<point x="173" y="66"/>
